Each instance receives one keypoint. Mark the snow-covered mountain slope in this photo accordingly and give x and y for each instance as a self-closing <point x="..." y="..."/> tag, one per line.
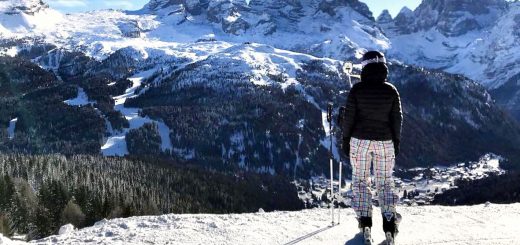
<point x="478" y="39"/>
<point x="267" y="92"/>
<point x="335" y="29"/>
<point x="21" y="17"/>
<point x="485" y="50"/>
<point x="482" y="224"/>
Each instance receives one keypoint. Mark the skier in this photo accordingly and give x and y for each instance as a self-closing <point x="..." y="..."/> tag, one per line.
<point x="371" y="135"/>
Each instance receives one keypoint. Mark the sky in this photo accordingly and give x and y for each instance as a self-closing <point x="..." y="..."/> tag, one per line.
<point x="394" y="6"/>
<point x="67" y="6"/>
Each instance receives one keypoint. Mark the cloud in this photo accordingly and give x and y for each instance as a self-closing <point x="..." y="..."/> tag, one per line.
<point x="68" y="3"/>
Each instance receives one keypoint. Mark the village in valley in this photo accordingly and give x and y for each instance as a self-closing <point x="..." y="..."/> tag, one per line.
<point x="416" y="186"/>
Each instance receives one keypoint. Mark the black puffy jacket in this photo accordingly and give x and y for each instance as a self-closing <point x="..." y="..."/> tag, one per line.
<point x="373" y="112"/>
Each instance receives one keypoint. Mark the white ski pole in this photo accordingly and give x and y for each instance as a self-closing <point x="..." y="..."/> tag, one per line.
<point x="340" y="196"/>
<point x="329" y="119"/>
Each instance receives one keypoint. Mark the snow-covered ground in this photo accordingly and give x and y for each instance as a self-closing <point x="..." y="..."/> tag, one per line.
<point x="482" y="224"/>
<point x="80" y="100"/>
<point x="116" y="144"/>
<point x="11" y="128"/>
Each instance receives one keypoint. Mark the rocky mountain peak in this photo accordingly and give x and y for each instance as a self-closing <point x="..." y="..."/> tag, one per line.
<point x="404" y="21"/>
<point x="30" y="7"/>
<point x="458" y="17"/>
<point x="450" y="17"/>
<point x="238" y="16"/>
<point x="385" y="17"/>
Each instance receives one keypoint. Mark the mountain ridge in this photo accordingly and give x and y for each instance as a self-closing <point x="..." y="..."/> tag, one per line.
<point x="252" y="83"/>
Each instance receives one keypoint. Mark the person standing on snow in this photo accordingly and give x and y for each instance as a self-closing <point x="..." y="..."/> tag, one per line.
<point x="372" y="135"/>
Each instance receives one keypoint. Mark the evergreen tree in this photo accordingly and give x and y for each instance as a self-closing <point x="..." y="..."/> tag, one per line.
<point x="72" y="214"/>
<point x="43" y="224"/>
<point x="6" y="226"/>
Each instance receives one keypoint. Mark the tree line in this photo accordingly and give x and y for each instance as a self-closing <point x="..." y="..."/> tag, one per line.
<point x="40" y="193"/>
<point x="496" y="189"/>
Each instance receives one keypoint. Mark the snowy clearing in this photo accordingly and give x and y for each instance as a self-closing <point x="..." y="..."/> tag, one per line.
<point x="11" y="128"/>
<point x="482" y="224"/>
<point x="116" y="144"/>
<point x="80" y="100"/>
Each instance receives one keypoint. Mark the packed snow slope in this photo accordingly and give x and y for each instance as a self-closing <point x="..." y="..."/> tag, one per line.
<point x="491" y="224"/>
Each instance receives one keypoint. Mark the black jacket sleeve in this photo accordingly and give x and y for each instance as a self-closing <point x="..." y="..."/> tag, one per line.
<point x="396" y="120"/>
<point x="350" y="116"/>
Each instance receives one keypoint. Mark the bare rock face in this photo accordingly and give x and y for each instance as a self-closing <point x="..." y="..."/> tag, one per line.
<point x="404" y="21"/>
<point x="455" y="18"/>
<point x="130" y="29"/>
<point x="238" y="16"/>
<point x="386" y="22"/>
<point x="517" y="26"/>
<point x="330" y="7"/>
<point x="450" y="17"/>
<point x="385" y="17"/>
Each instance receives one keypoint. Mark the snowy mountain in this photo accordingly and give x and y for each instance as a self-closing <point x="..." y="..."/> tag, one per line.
<point x="478" y="39"/>
<point x="239" y="84"/>
<point x="242" y="86"/>
<point x="26" y="16"/>
<point x="482" y="224"/>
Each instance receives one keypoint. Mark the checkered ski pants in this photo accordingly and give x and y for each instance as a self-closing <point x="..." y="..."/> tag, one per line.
<point x="362" y="154"/>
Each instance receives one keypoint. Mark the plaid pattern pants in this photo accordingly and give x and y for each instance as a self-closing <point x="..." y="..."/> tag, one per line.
<point x="362" y="154"/>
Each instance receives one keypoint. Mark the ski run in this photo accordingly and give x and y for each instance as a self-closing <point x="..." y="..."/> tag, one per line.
<point x="472" y="225"/>
<point x="116" y="143"/>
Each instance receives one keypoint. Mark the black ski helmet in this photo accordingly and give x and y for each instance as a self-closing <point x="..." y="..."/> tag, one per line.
<point x="374" y="67"/>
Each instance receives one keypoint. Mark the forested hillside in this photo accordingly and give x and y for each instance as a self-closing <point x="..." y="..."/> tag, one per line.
<point x="495" y="189"/>
<point x="41" y="193"/>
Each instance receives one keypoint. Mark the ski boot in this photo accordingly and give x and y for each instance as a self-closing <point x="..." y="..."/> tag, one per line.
<point x="390" y="226"/>
<point x="365" y="225"/>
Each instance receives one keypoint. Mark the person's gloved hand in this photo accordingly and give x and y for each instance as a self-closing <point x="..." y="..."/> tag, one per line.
<point x="346" y="146"/>
<point x="397" y="147"/>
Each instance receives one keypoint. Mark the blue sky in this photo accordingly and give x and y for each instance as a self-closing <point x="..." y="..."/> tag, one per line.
<point x="394" y="6"/>
<point x="66" y="6"/>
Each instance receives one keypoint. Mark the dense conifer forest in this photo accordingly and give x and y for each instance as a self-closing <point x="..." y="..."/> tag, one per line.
<point x="40" y="193"/>
<point x="494" y="189"/>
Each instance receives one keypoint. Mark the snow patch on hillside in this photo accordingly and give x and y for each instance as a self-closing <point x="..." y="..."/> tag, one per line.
<point x="116" y="143"/>
<point x="11" y="128"/>
<point x="81" y="100"/>
<point x="482" y="224"/>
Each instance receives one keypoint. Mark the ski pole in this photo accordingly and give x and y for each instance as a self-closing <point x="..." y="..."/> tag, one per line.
<point x="340" y="195"/>
<point x="329" y="119"/>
